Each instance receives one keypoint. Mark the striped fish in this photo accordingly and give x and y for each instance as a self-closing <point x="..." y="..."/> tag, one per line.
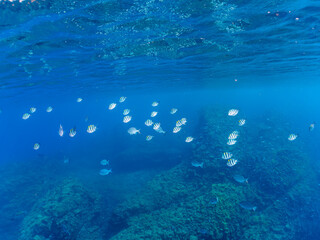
<point x="231" y="162"/>
<point x="226" y="155"/>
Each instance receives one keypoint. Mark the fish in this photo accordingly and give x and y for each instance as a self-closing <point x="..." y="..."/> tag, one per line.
<point x="122" y="99"/>
<point x="65" y="160"/>
<point x="133" y="131"/>
<point x="149" y="137"/>
<point x="247" y="205"/>
<point x="311" y="127"/>
<point x="33" y="110"/>
<point x="231" y="142"/>
<point x="156" y="126"/>
<point x="127" y="119"/>
<point x="292" y="137"/>
<point x="181" y="122"/>
<point x="233" y="135"/>
<point x="233" y="112"/>
<point x="226" y="155"/>
<point x="104" y="162"/>
<point x="49" y="109"/>
<point x="112" y="106"/>
<point x="61" y="131"/>
<point x="160" y="130"/>
<point x="153" y="114"/>
<point x="126" y="111"/>
<point x="36" y="146"/>
<point x="231" y="162"/>
<point x="240" y="179"/>
<point x="173" y="110"/>
<point x="242" y="122"/>
<point x="214" y="201"/>
<point x="176" y="129"/>
<point x="79" y="99"/>
<point x="72" y="132"/>
<point x="148" y="122"/>
<point x="154" y="104"/>
<point x="178" y="123"/>
<point x="189" y="139"/>
<point x="197" y="164"/>
<point x="25" y="116"/>
<point x="105" y="172"/>
<point x="91" y="128"/>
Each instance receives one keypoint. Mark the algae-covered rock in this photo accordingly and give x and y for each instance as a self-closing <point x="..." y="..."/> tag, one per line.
<point x="68" y="211"/>
<point x="177" y="204"/>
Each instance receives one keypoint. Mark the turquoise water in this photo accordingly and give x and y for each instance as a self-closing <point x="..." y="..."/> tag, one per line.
<point x="202" y="58"/>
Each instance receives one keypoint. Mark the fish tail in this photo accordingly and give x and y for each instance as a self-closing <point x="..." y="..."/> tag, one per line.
<point x="201" y="165"/>
<point x="254" y="209"/>
<point x="247" y="180"/>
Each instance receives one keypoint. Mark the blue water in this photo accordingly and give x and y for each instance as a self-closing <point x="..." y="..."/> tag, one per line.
<point x="261" y="57"/>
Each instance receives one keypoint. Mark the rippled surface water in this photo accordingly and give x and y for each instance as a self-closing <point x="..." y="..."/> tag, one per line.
<point x="116" y="44"/>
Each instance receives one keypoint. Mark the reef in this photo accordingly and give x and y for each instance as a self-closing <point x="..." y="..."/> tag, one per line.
<point x="177" y="204"/>
<point x="68" y="211"/>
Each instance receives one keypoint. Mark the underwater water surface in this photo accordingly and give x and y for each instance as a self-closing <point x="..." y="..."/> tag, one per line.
<point x="159" y="119"/>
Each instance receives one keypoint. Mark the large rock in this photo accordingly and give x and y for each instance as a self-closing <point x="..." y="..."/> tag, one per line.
<point x="68" y="211"/>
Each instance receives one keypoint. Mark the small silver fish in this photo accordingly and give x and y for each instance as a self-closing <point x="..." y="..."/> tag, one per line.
<point x="133" y="131"/>
<point x="156" y="126"/>
<point x="226" y="155"/>
<point x="214" y="201"/>
<point x="173" y="111"/>
<point x="231" y="142"/>
<point x="183" y="121"/>
<point x="154" y="104"/>
<point x="154" y="113"/>
<point x="49" y="109"/>
<point x="91" y="128"/>
<point x="189" y="139"/>
<point x="311" y="127"/>
<point x="126" y="111"/>
<point x="33" y="110"/>
<point x="105" y="172"/>
<point x="248" y="206"/>
<point x="79" y="99"/>
<point x="127" y="119"/>
<point x="233" y="135"/>
<point x="231" y="162"/>
<point x="61" y="131"/>
<point x="104" y="162"/>
<point x="160" y="130"/>
<point x="176" y="129"/>
<point x="292" y="137"/>
<point x="72" y="132"/>
<point x="149" y="137"/>
<point x="240" y="179"/>
<point x="112" y="106"/>
<point x="26" y="116"/>
<point x="148" y="123"/>
<point x="36" y="146"/>
<point x="242" y="122"/>
<point x="197" y="164"/>
<point x="233" y="112"/>
<point x="122" y="99"/>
